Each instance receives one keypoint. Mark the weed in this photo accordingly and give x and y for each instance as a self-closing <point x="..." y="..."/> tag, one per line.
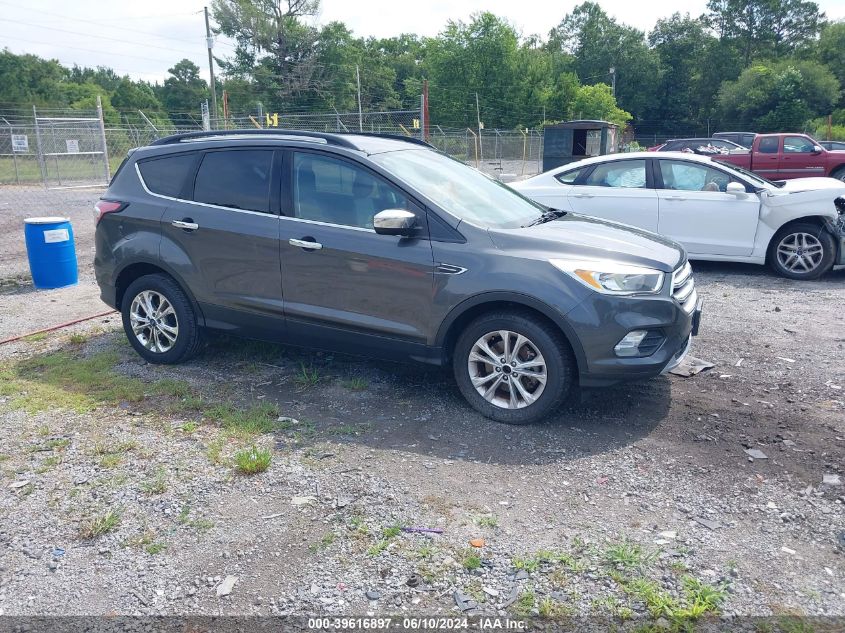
<point x="424" y="552"/>
<point x="656" y="600"/>
<point x="487" y="520"/>
<point x="190" y="426"/>
<point x="100" y="524"/>
<point x="255" y="420"/>
<point x="553" y="609"/>
<point x="253" y="460"/>
<point x="471" y="560"/>
<point x="529" y="564"/>
<point x="627" y="555"/>
<point x="201" y="525"/>
<point x="110" y="461"/>
<point x="356" y="384"/>
<point x="387" y="534"/>
<point x="77" y="339"/>
<point x="307" y="377"/>
<point x="214" y="451"/>
<point x="323" y="543"/>
<point x="34" y="338"/>
<point x="171" y="387"/>
<point x="524" y="604"/>
<point x="158" y="484"/>
<point x="58" y="444"/>
<point x="155" y="548"/>
<point x="49" y="463"/>
<point x="348" y="429"/>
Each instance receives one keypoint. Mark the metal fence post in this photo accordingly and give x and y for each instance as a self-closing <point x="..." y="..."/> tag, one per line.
<point x="103" y="138"/>
<point x="12" y="147"/>
<point x="41" y="165"/>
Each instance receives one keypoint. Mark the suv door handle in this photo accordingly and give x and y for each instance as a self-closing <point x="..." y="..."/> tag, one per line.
<point x="582" y="195"/>
<point x="186" y="224"/>
<point x="310" y="245"/>
<point x="674" y="198"/>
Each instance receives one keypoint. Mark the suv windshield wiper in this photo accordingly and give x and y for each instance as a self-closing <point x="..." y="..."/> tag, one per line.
<point x="547" y="216"/>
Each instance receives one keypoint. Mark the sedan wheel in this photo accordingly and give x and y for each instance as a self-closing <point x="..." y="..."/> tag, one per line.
<point x="800" y="253"/>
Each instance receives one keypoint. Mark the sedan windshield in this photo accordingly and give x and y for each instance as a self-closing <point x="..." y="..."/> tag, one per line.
<point x="743" y="173"/>
<point x="459" y="189"/>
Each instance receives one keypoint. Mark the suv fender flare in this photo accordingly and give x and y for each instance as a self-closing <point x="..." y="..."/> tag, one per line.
<point x="168" y="271"/>
<point x="516" y="299"/>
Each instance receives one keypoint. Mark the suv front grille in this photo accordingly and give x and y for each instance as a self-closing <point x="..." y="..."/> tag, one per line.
<point x="683" y="288"/>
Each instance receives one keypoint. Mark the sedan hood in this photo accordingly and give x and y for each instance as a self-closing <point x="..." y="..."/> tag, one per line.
<point x="582" y="237"/>
<point x="812" y="184"/>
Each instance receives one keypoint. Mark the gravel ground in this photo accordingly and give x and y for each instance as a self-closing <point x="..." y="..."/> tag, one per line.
<point x="627" y="505"/>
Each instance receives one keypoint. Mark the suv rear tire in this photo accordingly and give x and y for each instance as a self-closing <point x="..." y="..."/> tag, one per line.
<point x="810" y="242"/>
<point x="160" y="321"/>
<point x="513" y="367"/>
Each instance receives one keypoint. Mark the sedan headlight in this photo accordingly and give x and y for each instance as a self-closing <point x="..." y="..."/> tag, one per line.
<point x="612" y="278"/>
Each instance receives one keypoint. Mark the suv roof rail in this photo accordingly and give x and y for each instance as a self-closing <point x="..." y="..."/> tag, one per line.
<point x="340" y="140"/>
<point x="332" y="139"/>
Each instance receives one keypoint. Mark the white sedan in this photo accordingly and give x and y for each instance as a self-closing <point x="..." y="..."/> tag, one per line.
<point x="716" y="211"/>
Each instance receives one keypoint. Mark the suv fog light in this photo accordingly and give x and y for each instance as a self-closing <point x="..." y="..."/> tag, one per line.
<point x="630" y="344"/>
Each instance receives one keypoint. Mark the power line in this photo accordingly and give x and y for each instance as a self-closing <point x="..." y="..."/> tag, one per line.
<point x="88" y="50"/>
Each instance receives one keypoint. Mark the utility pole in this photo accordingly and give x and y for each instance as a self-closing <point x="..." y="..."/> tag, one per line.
<point x="209" y="41"/>
<point x="360" y="114"/>
<point x="478" y="119"/>
<point x="613" y="81"/>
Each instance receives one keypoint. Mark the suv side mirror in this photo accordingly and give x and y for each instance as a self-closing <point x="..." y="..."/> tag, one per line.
<point x="817" y="149"/>
<point x="394" y="222"/>
<point x="736" y="188"/>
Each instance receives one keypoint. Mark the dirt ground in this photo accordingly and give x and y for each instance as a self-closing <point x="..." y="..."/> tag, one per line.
<point x="119" y="490"/>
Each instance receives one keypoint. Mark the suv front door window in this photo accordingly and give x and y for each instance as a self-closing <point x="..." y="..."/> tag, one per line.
<point x="799" y="158"/>
<point x="616" y="190"/>
<point x="351" y="278"/>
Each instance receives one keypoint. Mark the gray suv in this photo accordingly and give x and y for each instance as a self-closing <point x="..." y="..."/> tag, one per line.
<point x="382" y="246"/>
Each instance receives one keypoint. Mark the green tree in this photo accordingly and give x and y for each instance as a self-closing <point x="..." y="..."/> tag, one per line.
<point x="184" y="90"/>
<point x="599" y="43"/>
<point x="831" y="50"/>
<point x="778" y="97"/>
<point x="765" y="28"/>
<point x="597" y="102"/>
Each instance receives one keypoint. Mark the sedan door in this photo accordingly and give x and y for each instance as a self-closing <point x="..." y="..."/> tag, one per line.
<point x="339" y="275"/>
<point x="617" y="190"/>
<point x="696" y="210"/>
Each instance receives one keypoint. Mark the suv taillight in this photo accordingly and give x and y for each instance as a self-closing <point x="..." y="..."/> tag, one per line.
<point x="106" y="206"/>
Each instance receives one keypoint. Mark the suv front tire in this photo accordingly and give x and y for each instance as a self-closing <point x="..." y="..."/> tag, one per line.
<point x="513" y="367"/>
<point x="159" y="320"/>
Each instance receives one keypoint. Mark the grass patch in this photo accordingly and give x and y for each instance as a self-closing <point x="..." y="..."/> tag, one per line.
<point x="173" y="388"/>
<point x="488" y="521"/>
<point x="551" y="609"/>
<point x="214" y="451"/>
<point x="306" y="377"/>
<point x="49" y="463"/>
<point x="524" y="604"/>
<point x="348" y="429"/>
<point x="627" y="555"/>
<point x="100" y="524"/>
<point x="77" y="339"/>
<point x="254" y="420"/>
<point x="201" y="525"/>
<point x="67" y="380"/>
<point x="158" y="484"/>
<point x="697" y="598"/>
<point x="155" y="548"/>
<point x="326" y="541"/>
<point x="471" y="560"/>
<point x="253" y="460"/>
<point x="356" y="384"/>
<point x="387" y="535"/>
<point x="34" y="338"/>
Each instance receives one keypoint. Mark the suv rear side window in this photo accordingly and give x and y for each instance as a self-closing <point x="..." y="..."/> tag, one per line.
<point x="238" y="179"/>
<point x="569" y="177"/>
<point x="166" y="176"/>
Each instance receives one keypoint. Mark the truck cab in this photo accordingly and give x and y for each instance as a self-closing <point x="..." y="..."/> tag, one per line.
<point x="788" y="156"/>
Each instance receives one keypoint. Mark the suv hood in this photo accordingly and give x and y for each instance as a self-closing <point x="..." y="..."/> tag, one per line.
<point x="584" y="237"/>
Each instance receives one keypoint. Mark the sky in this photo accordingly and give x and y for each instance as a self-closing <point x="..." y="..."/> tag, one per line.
<point x="144" y="39"/>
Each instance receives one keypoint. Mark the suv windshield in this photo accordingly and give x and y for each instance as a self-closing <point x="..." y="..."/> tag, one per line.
<point x="459" y="189"/>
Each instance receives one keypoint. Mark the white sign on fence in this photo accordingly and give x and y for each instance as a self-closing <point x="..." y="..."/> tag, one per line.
<point x="20" y="143"/>
<point x="72" y="146"/>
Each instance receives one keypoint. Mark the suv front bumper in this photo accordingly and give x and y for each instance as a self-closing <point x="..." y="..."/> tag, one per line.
<point x="598" y="336"/>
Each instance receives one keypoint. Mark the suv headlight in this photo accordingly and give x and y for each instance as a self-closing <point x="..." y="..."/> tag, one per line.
<point x="612" y="278"/>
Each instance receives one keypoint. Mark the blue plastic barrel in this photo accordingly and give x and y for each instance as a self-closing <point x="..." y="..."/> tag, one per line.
<point x="51" y="252"/>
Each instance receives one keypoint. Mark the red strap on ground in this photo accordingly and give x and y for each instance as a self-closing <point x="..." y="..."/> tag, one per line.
<point x="58" y="327"/>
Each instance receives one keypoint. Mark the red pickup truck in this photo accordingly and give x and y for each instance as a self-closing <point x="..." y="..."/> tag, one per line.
<point x="785" y="156"/>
